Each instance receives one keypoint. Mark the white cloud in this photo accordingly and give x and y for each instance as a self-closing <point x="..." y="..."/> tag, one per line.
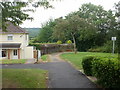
<point x="63" y="8"/>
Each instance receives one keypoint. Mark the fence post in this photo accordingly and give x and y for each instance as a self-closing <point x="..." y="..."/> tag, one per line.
<point x="37" y="55"/>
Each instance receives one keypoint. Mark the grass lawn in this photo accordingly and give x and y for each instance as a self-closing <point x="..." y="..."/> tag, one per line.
<point x="45" y="58"/>
<point x="13" y="61"/>
<point x="76" y="59"/>
<point x="24" y="78"/>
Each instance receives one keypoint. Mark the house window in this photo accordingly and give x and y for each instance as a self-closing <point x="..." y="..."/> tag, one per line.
<point x="4" y="53"/>
<point x="15" y="52"/>
<point x="10" y="37"/>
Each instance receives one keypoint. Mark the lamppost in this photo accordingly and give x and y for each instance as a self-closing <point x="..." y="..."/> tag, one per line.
<point x="113" y="39"/>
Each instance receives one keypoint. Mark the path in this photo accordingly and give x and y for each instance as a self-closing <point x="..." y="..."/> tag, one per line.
<point x="61" y="74"/>
<point x="30" y="61"/>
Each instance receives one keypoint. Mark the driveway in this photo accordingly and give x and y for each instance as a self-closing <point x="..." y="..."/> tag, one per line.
<point x="61" y="74"/>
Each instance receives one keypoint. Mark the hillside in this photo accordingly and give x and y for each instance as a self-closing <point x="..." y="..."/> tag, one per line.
<point x="33" y="32"/>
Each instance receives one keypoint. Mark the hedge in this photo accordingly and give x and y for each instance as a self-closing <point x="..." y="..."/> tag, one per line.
<point x="107" y="71"/>
<point x="87" y="64"/>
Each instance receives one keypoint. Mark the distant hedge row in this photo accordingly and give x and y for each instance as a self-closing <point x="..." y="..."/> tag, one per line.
<point x="106" y="70"/>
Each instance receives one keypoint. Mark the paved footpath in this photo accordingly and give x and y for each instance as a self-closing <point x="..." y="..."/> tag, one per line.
<point x="30" y="61"/>
<point x="61" y="74"/>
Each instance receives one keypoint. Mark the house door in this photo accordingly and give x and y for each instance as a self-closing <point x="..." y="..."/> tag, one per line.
<point x="15" y="54"/>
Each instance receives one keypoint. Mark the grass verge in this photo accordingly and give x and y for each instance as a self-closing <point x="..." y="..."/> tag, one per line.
<point x="13" y="61"/>
<point x="24" y="78"/>
<point x="76" y="59"/>
<point x="45" y="58"/>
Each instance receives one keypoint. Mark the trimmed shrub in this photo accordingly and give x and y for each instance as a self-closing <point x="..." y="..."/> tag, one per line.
<point x="107" y="72"/>
<point x="59" y="42"/>
<point x="87" y="64"/>
<point x="69" y="42"/>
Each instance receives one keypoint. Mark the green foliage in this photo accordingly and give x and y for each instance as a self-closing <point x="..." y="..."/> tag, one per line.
<point x="107" y="47"/>
<point x="118" y="44"/>
<point x="107" y="71"/>
<point x="105" y="66"/>
<point x="33" y="32"/>
<point x="13" y="61"/>
<point x="97" y="15"/>
<point x="87" y="64"/>
<point x="69" y="42"/>
<point x="59" y="30"/>
<point x="90" y="27"/>
<point x="59" y="42"/>
<point x="94" y="50"/>
<point x="117" y="7"/>
<point x="0" y="16"/>
<point x="45" y="58"/>
<point x="36" y="45"/>
<point x="33" y="40"/>
<point x="13" y="11"/>
<point x="74" y="28"/>
<point x="76" y="59"/>
<point x="45" y="34"/>
<point x="103" y="20"/>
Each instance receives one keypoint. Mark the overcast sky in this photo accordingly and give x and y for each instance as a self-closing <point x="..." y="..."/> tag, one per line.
<point x="62" y="8"/>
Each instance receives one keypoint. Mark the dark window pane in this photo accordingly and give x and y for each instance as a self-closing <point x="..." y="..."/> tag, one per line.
<point x="3" y="53"/>
<point x="15" y="52"/>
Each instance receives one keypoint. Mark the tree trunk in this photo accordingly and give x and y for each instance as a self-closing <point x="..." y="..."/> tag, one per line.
<point x="74" y="41"/>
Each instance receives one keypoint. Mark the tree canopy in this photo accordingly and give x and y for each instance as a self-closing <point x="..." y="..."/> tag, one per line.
<point x="91" y="26"/>
<point x="73" y="28"/>
<point x="13" y="11"/>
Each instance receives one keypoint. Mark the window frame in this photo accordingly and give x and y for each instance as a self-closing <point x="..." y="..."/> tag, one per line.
<point x="8" y="37"/>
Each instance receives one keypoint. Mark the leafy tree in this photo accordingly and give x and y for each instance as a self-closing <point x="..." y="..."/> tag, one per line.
<point x="60" y="24"/>
<point x="46" y="31"/>
<point x="13" y="11"/>
<point x="103" y="20"/>
<point x="91" y="26"/>
<point x="117" y="6"/>
<point x="75" y="27"/>
<point x="0" y="17"/>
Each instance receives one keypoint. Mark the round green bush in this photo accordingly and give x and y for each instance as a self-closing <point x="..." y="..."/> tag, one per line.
<point x="59" y="42"/>
<point x="87" y="65"/>
<point x="69" y="42"/>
